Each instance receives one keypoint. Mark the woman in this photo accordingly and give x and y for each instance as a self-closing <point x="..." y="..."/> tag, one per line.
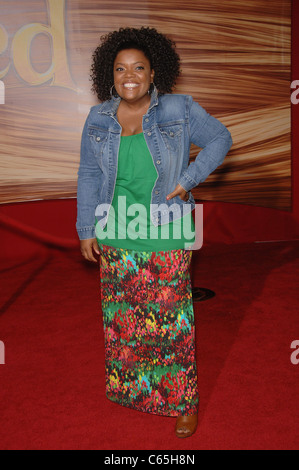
<point x="134" y="204"/>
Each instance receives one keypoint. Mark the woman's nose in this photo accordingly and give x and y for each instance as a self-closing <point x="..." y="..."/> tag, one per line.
<point x="129" y="73"/>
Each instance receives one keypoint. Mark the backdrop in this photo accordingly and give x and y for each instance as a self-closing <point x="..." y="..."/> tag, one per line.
<point x="235" y="62"/>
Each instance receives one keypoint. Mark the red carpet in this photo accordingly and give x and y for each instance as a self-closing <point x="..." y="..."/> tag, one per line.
<point x="52" y="383"/>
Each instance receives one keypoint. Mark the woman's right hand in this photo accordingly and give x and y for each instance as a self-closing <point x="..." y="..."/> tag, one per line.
<point x="88" y="248"/>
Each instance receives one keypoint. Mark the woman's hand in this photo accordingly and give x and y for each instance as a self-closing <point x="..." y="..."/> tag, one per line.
<point x="178" y="191"/>
<point x="88" y="248"/>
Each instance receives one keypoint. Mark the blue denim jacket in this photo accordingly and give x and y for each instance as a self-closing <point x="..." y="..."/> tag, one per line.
<point x="170" y="125"/>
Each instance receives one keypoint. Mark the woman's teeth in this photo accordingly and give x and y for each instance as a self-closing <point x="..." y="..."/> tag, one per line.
<point x="130" y="85"/>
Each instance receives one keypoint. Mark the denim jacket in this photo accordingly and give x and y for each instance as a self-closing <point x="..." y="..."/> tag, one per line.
<point x="170" y="125"/>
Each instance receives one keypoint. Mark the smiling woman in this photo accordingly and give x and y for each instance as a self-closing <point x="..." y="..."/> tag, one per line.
<point x="133" y="76"/>
<point x="135" y="145"/>
<point x="163" y="59"/>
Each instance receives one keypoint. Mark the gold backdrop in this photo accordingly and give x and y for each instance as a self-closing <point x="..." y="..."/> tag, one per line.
<point x="235" y="61"/>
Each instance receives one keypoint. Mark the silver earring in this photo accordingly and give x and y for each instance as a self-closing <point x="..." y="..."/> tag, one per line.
<point x="115" y="94"/>
<point x="152" y="88"/>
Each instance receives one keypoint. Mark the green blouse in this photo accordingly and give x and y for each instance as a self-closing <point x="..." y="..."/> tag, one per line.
<point x="129" y="223"/>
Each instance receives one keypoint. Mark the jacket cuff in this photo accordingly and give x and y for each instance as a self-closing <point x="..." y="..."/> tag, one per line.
<point x="186" y="182"/>
<point x="86" y="233"/>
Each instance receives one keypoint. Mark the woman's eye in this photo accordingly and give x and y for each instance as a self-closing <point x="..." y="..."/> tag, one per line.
<point x="121" y="69"/>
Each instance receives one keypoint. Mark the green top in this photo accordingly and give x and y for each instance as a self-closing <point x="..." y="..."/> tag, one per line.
<point x="129" y="223"/>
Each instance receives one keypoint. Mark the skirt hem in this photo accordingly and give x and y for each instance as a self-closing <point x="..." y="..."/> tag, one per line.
<point x="171" y="414"/>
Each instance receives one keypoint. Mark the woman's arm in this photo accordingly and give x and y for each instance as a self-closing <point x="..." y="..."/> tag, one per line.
<point x="88" y="188"/>
<point x="215" y="141"/>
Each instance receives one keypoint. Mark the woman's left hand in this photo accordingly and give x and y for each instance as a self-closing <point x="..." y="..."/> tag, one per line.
<point x="178" y="191"/>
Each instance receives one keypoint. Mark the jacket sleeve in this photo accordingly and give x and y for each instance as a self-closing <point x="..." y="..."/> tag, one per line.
<point x="213" y="138"/>
<point x="88" y="187"/>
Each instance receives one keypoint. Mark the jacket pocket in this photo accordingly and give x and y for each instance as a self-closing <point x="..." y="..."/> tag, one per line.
<point x="99" y="139"/>
<point x="172" y="136"/>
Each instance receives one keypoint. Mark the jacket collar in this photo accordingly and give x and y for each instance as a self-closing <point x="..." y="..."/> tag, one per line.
<point x="110" y="107"/>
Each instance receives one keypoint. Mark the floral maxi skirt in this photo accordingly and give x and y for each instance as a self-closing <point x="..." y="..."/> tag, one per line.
<point x="149" y="330"/>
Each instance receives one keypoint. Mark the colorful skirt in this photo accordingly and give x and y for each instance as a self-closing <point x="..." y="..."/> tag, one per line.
<point x="149" y="330"/>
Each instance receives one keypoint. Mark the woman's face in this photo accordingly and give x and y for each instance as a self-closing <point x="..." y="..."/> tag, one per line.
<point x="132" y="75"/>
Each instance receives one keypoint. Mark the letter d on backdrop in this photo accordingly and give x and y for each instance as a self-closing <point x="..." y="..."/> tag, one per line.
<point x="58" y="71"/>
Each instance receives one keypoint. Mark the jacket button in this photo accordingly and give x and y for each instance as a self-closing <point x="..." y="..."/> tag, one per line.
<point x="146" y="119"/>
<point x="158" y="162"/>
<point x="149" y="133"/>
<point x="156" y="192"/>
<point x="171" y="134"/>
<point x="98" y="139"/>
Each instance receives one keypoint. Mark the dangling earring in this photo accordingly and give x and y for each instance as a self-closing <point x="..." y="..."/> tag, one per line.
<point x="152" y="88"/>
<point x="113" y="95"/>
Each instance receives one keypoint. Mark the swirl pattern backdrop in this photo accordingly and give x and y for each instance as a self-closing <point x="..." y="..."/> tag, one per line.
<point x="236" y="62"/>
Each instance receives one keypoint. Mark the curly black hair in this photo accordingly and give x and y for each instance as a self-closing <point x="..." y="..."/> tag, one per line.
<point x="159" y="49"/>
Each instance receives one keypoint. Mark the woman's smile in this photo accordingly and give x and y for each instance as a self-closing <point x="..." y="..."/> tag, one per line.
<point x="130" y="86"/>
